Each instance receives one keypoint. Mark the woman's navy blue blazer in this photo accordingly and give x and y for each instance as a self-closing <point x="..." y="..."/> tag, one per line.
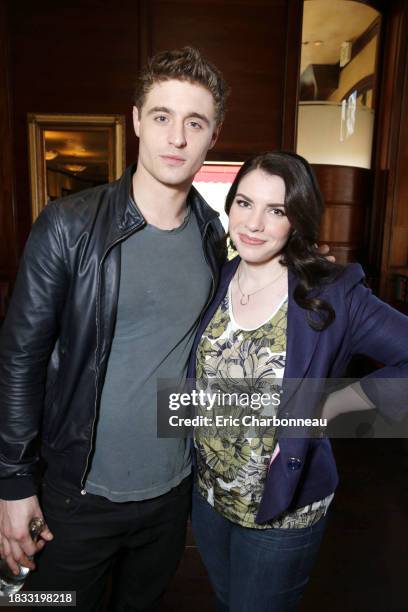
<point x="305" y="471"/>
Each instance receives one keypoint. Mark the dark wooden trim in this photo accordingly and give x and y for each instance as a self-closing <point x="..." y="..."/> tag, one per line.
<point x="374" y="29"/>
<point x="292" y="74"/>
<point x="325" y="79"/>
<point x="8" y="230"/>
<point x="387" y="146"/>
<point x="361" y="86"/>
<point x="145" y="32"/>
<point x="347" y="192"/>
<point x="379" y="5"/>
<point x="364" y="38"/>
<point x="377" y="67"/>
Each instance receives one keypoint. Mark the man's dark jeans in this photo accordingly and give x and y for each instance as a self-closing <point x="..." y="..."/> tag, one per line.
<point x="141" y="542"/>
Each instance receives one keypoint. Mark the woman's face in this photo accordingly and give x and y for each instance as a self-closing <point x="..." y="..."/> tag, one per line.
<point x="258" y="224"/>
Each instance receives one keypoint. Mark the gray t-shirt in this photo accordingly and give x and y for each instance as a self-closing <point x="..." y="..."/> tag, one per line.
<point x="165" y="282"/>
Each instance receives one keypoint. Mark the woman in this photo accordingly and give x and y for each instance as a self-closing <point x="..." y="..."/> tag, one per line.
<point x="281" y="311"/>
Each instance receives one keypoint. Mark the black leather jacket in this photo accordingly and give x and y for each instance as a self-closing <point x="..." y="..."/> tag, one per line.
<point x="55" y="341"/>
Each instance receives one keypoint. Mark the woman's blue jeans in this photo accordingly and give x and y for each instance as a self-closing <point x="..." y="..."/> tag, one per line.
<point x="254" y="570"/>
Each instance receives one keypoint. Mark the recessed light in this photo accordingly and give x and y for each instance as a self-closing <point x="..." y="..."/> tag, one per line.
<point x="51" y="154"/>
<point x="74" y="168"/>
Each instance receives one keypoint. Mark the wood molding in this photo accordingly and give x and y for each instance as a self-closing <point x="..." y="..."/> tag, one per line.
<point x="379" y="5"/>
<point x="319" y="81"/>
<point x="292" y="74"/>
<point x="389" y="161"/>
<point x="363" y="85"/>
<point x="39" y="122"/>
<point x="371" y="32"/>
<point x="145" y="32"/>
<point x="8" y="234"/>
<point x="347" y="194"/>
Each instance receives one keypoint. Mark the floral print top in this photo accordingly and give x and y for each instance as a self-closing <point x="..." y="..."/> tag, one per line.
<point x="232" y="463"/>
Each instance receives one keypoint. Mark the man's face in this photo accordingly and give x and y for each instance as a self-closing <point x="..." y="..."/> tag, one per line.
<point x="176" y="127"/>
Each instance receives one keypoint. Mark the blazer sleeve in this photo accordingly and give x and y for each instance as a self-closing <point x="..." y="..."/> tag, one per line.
<point x="27" y="338"/>
<point x="381" y="332"/>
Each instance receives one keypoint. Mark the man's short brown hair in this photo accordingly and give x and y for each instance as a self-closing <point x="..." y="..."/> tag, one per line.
<point x="186" y="64"/>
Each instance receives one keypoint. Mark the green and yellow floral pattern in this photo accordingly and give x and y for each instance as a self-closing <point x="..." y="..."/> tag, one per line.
<point x="232" y="464"/>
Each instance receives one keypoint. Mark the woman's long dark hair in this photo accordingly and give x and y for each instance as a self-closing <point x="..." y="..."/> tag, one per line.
<point x="304" y="208"/>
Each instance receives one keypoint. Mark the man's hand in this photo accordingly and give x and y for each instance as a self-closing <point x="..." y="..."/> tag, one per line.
<point x="16" y="544"/>
<point x="324" y="249"/>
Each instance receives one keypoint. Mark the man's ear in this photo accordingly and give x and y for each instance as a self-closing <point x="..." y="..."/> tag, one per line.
<point x="215" y="135"/>
<point x="136" y="120"/>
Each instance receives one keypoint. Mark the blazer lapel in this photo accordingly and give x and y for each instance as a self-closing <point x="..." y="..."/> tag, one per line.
<point x="301" y="343"/>
<point x="226" y="275"/>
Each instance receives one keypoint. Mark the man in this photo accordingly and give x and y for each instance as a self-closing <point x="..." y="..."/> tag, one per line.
<point x="110" y="289"/>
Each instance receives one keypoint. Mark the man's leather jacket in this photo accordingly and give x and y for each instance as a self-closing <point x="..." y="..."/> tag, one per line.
<point x="55" y="341"/>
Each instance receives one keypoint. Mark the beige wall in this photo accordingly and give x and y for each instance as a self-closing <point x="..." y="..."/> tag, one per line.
<point x="319" y="141"/>
<point x="361" y="66"/>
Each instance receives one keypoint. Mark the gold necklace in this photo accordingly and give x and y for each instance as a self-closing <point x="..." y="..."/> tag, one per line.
<point x="245" y="296"/>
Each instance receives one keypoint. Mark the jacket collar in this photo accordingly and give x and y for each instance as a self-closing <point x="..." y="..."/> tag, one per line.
<point x="203" y="212"/>
<point x="128" y="215"/>
<point x="301" y="344"/>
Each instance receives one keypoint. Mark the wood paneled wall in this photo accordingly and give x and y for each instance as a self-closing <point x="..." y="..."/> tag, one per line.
<point x="84" y="58"/>
<point x="69" y="57"/>
<point x="389" y="230"/>
<point x="8" y="255"/>
<point x="347" y="193"/>
<point x="248" y="41"/>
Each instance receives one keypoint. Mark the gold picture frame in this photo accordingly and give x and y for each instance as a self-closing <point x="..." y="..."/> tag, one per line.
<point x="112" y="127"/>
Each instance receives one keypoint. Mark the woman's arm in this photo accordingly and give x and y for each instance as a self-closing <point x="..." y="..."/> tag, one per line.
<point x="381" y="332"/>
<point x="376" y="330"/>
<point x="349" y="399"/>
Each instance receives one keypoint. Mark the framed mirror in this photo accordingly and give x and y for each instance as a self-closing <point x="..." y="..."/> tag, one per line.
<point x="69" y="153"/>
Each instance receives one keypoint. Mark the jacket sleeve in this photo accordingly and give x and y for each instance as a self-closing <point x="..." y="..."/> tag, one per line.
<point x="381" y="332"/>
<point x="27" y="338"/>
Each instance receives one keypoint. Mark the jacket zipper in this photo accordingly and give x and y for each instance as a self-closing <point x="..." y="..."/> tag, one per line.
<point x="110" y="247"/>
<point x="210" y="297"/>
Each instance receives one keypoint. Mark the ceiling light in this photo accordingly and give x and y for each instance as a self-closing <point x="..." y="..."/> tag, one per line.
<point x="74" y="168"/>
<point x="51" y="154"/>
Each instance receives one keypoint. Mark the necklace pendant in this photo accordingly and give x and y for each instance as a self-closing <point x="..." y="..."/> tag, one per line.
<point x="244" y="300"/>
